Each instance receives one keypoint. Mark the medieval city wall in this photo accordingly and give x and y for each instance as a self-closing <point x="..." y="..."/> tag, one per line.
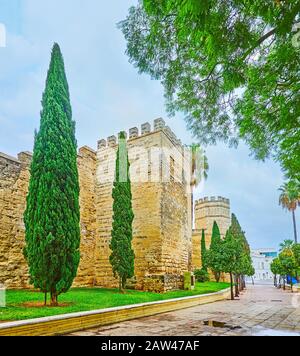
<point x="14" y="177"/>
<point x="14" y="180"/>
<point x="161" y="203"/>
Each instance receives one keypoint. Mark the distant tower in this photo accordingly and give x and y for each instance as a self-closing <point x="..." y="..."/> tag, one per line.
<point x="208" y="210"/>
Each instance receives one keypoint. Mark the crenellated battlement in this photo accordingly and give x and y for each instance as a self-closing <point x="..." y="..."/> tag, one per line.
<point x="212" y="200"/>
<point x="22" y="157"/>
<point x="88" y="152"/>
<point x="146" y="129"/>
<point x="11" y="167"/>
<point x="25" y="157"/>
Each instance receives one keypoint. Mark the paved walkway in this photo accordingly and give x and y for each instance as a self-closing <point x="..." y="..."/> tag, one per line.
<point x="261" y="310"/>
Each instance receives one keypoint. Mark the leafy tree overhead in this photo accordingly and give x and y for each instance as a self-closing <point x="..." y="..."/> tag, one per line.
<point x="52" y="213"/>
<point x="122" y="256"/>
<point x="232" y="67"/>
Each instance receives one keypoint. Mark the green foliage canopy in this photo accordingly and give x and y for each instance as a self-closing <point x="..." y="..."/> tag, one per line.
<point x="288" y="262"/>
<point x="231" y="66"/>
<point x="276" y="267"/>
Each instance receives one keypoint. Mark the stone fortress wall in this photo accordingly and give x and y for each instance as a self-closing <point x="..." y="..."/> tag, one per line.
<point x="162" y="225"/>
<point x="162" y="228"/>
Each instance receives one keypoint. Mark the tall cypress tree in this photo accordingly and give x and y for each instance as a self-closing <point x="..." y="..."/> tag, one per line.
<point x="52" y="213"/>
<point x="122" y="256"/>
<point x="203" y="252"/>
<point x="215" y="252"/>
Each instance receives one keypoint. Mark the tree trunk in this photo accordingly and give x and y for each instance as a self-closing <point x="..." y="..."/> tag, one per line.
<point x="231" y="286"/>
<point x="54" y="296"/>
<point x="236" y="286"/>
<point x="280" y="281"/>
<point x="292" y="284"/>
<point x="121" y="285"/>
<point x="275" y="281"/>
<point x="241" y="283"/>
<point x="283" y="283"/>
<point x="217" y="276"/>
<point x="124" y="280"/>
<point x="295" y="227"/>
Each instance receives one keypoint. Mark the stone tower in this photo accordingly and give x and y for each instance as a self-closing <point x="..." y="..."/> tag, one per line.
<point x="208" y="210"/>
<point x="162" y="238"/>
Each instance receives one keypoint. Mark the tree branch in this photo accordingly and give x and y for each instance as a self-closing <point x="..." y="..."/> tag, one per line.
<point x="259" y="42"/>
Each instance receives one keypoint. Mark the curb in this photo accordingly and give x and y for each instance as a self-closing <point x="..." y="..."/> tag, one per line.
<point x="68" y="323"/>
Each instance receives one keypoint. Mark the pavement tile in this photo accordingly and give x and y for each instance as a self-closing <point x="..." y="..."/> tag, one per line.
<point x="256" y="310"/>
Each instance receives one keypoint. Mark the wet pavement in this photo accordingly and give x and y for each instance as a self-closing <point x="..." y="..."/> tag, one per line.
<point x="260" y="311"/>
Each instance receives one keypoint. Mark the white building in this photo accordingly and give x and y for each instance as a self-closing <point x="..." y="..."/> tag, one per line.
<point x="262" y="259"/>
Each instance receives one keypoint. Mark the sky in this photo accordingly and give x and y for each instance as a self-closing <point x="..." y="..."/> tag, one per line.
<point x="108" y="95"/>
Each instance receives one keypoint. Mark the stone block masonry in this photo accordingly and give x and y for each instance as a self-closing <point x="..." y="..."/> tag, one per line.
<point x="161" y="205"/>
<point x="161" y="202"/>
<point x="14" y="177"/>
<point x="14" y="180"/>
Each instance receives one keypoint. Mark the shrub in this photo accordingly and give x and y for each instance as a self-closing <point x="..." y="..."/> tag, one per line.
<point x="201" y="275"/>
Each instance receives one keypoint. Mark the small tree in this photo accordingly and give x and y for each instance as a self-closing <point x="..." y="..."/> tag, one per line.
<point x="231" y="253"/>
<point x="245" y="267"/>
<point x="296" y="251"/>
<point x="276" y="269"/>
<point x="122" y="256"/>
<point x="214" y="256"/>
<point x="201" y="275"/>
<point x="288" y="263"/>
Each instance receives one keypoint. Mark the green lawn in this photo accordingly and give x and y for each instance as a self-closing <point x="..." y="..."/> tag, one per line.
<point x="85" y="299"/>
